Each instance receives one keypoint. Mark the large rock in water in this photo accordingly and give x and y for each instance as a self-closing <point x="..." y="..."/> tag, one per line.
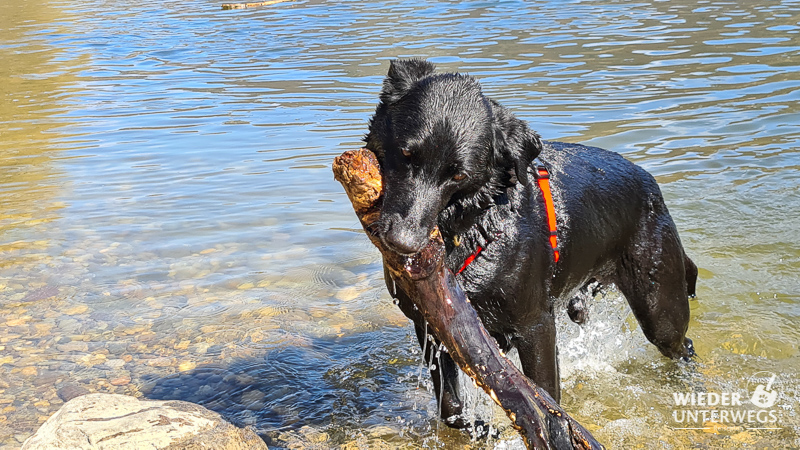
<point x="112" y="421"/>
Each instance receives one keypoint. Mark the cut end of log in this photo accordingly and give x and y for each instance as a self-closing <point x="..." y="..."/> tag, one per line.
<point x="359" y="173"/>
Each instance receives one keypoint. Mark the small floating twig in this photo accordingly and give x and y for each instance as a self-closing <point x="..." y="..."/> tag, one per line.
<point x="250" y="5"/>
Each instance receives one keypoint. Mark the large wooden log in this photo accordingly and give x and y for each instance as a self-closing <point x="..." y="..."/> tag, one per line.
<point x="445" y="306"/>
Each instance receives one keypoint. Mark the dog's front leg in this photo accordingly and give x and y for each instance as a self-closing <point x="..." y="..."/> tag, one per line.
<point x="443" y="370"/>
<point x="536" y="345"/>
<point x="444" y="374"/>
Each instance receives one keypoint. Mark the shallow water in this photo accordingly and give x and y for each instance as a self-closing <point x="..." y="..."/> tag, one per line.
<point x="170" y="226"/>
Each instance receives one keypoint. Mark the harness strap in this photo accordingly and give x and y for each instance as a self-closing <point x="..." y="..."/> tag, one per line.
<point x="543" y="181"/>
<point x="470" y="258"/>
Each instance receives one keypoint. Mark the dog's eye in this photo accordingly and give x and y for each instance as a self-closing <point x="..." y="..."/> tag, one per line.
<point x="406" y="152"/>
<point x="459" y="176"/>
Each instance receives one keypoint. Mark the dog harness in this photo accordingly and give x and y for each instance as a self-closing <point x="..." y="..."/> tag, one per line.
<point x="543" y="181"/>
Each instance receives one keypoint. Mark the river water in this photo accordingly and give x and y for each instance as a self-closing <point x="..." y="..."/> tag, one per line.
<point x="170" y="228"/>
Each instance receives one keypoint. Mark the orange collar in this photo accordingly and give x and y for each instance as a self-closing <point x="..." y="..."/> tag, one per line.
<point x="543" y="180"/>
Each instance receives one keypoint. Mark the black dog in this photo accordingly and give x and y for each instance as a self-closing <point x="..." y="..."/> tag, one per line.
<point x="452" y="157"/>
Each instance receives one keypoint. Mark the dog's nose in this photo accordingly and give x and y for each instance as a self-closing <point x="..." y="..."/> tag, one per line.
<point x="402" y="240"/>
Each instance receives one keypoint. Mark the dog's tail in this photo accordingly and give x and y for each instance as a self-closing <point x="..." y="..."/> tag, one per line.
<point x="691" y="276"/>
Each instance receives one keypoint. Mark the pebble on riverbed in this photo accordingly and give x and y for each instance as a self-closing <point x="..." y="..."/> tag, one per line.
<point x="60" y="330"/>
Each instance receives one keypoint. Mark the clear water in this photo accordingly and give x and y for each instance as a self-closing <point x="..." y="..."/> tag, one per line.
<point x="169" y="225"/>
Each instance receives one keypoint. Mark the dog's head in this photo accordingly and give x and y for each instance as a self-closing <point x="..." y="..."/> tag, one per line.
<point x="440" y="142"/>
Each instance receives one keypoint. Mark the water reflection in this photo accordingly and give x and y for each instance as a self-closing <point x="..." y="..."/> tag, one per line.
<point x="169" y="217"/>
<point x="36" y="87"/>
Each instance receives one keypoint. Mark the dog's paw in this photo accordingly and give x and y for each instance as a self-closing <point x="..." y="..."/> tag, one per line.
<point x="679" y="351"/>
<point x="688" y="347"/>
<point x="482" y="430"/>
<point x="477" y="429"/>
<point x="457" y="421"/>
<point x="576" y="309"/>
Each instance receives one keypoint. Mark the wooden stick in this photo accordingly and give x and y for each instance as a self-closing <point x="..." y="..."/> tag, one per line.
<point x="435" y="291"/>
<point x="250" y="5"/>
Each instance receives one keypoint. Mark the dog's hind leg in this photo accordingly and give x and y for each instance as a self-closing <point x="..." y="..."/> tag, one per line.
<point x="652" y="276"/>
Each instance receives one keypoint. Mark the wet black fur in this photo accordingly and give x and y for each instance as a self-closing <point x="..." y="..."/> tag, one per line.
<point x="613" y="225"/>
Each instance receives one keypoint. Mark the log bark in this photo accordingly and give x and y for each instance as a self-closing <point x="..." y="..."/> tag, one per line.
<point x="437" y="294"/>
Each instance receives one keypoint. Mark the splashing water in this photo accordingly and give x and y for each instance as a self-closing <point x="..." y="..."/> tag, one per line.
<point x="608" y="337"/>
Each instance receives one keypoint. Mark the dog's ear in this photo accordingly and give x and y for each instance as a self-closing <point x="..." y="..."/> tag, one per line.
<point x="516" y="146"/>
<point x="403" y="73"/>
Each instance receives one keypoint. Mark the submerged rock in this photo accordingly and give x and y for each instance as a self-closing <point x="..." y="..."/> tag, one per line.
<point x="112" y="421"/>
